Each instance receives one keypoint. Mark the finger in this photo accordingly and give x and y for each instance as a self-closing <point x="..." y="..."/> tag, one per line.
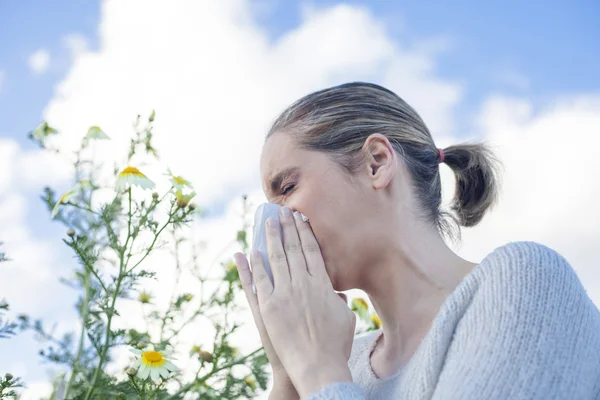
<point x="277" y="257"/>
<point x="245" y="273"/>
<point x="262" y="281"/>
<point x="310" y="247"/>
<point x="292" y="245"/>
<point x="246" y="280"/>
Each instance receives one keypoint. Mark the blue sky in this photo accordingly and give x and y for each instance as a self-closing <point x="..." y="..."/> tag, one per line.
<point x="536" y="52"/>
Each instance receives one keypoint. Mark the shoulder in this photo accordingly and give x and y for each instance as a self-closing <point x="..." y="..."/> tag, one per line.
<point x="522" y="283"/>
<point x="527" y="266"/>
<point x="524" y="321"/>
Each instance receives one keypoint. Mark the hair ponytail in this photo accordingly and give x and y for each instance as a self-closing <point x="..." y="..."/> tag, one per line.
<point x="477" y="179"/>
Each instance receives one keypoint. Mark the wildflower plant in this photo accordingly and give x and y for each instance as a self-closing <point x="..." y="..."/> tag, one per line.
<point x="113" y="241"/>
<point x="8" y="383"/>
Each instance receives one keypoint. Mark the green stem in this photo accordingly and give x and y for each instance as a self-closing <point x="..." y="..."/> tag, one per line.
<point x="111" y="310"/>
<point x="205" y="377"/>
<point x="153" y="242"/>
<point x="89" y="268"/>
<point x="84" y="313"/>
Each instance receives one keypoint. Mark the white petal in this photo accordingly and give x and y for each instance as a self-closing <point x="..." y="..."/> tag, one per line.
<point x="143" y="372"/>
<point x="163" y="372"/>
<point x="170" y="366"/>
<point x="136" y="351"/>
<point x="154" y="374"/>
<point x="120" y="185"/>
<point x="145" y="183"/>
<point x="55" y="210"/>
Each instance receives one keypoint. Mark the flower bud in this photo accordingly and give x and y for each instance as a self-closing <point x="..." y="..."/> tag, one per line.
<point x="144" y="297"/>
<point x="70" y="233"/>
<point x="206" y="356"/>
<point x="250" y="382"/>
<point x="192" y="206"/>
<point x="131" y="372"/>
<point x="155" y="196"/>
<point x="8" y="376"/>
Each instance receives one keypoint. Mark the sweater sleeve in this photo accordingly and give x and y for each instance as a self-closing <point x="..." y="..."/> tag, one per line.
<point x="339" y="391"/>
<point x="530" y="332"/>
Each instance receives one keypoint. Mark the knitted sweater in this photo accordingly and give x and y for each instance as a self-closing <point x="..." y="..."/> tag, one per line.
<point x="519" y="326"/>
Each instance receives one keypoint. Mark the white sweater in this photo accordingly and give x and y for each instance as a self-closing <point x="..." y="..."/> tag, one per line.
<point x="519" y="326"/>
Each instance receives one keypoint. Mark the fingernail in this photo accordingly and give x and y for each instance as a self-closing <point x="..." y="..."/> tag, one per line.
<point x="304" y="217"/>
<point x="285" y="211"/>
<point x="272" y="223"/>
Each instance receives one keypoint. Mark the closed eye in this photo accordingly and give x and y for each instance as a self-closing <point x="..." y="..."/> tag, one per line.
<point x="287" y="189"/>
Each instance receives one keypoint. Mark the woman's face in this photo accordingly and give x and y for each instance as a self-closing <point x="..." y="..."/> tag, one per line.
<point x="342" y="209"/>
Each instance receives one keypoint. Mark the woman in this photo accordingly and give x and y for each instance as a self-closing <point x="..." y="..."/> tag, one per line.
<point x="362" y="166"/>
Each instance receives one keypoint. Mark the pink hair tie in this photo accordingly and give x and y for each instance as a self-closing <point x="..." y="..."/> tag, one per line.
<point x="441" y="155"/>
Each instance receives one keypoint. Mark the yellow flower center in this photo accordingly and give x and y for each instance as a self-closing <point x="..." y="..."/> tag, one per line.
<point x="131" y="171"/>
<point x="144" y="298"/>
<point x="376" y="321"/>
<point x="179" y="180"/>
<point x="153" y="358"/>
<point x="361" y="303"/>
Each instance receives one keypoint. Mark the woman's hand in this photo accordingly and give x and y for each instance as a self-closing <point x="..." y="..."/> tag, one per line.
<point x="283" y="388"/>
<point x="310" y="326"/>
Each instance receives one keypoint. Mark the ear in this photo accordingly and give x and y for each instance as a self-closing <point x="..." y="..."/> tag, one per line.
<point x="381" y="160"/>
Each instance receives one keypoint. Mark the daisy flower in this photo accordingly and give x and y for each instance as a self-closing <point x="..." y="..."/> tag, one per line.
<point x="360" y="307"/>
<point x="184" y="199"/>
<point x="132" y="176"/>
<point x="153" y="364"/>
<point x="79" y="186"/>
<point x="43" y="130"/>
<point x="95" y="133"/>
<point x="178" y="182"/>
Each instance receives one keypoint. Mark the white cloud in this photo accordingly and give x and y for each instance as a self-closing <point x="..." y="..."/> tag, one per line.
<point x="76" y="43"/>
<point x="216" y="80"/>
<point x="37" y="390"/>
<point x="39" y="61"/>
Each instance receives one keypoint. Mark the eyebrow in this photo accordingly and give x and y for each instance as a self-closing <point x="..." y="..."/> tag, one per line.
<point x="275" y="183"/>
